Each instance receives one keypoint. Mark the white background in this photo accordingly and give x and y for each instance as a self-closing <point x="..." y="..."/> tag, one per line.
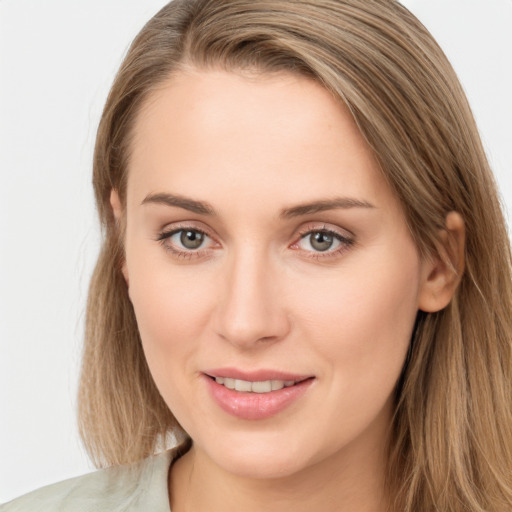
<point x="57" y="61"/>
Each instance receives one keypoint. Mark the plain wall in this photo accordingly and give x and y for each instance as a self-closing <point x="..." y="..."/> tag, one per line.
<point x="57" y="61"/>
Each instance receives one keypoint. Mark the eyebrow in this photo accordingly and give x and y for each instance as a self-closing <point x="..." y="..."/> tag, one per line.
<point x="186" y="203"/>
<point x="205" y="208"/>
<point x="324" y="205"/>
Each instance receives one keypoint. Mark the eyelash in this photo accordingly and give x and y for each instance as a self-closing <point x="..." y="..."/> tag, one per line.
<point x="345" y="242"/>
<point x="164" y="236"/>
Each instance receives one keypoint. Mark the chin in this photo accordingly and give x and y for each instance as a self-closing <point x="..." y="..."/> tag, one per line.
<point x="272" y="465"/>
<point x="258" y="457"/>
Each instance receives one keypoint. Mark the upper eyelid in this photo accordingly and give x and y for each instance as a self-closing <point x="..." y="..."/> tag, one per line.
<point x="344" y="240"/>
<point x="170" y="229"/>
<point x="325" y="227"/>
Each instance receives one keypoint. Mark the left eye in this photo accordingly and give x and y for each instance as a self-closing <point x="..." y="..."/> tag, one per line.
<point x="189" y="239"/>
<point x="320" y="241"/>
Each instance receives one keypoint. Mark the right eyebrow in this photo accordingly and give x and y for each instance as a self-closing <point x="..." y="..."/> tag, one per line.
<point x="192" y="205"/>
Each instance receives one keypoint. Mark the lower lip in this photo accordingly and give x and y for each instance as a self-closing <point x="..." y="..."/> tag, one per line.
<point x="256" y="406"/>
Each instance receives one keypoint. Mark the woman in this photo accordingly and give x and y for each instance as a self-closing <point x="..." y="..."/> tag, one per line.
<point x="297" y="285"/>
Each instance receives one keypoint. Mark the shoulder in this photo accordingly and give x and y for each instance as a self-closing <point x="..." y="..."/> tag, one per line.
<point x="141" y="486"/>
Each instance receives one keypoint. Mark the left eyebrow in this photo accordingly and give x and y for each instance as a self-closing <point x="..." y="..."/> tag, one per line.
<point x="324" y="205"/>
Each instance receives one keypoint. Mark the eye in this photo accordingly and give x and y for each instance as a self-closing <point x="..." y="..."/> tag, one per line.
<point x="188" y="238"/>
<point x="185" y="241"/>
<point x="320" y="241"/>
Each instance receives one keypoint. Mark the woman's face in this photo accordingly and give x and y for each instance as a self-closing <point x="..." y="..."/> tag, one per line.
<point x="265" y="251"/>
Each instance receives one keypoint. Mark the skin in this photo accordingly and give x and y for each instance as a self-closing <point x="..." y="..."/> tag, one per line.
<point x="257" y="294"/>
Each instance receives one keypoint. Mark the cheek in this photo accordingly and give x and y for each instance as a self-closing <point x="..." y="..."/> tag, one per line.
<point x="171" y="311"/>
<point x="163" y="312"/>
<point x="363" y="319"/>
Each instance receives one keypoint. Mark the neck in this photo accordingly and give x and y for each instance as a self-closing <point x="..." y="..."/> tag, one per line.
<point x="351" y="479"/>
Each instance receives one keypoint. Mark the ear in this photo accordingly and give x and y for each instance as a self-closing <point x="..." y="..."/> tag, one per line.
<point x="442" y="273"/>
<point x="115" y="203"/>
<point x="117" y="210"/>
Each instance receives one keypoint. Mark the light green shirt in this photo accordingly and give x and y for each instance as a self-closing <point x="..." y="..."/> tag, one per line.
<point x="142" y="487"/>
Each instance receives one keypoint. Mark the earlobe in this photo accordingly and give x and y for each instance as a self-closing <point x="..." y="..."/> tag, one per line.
<point x="117" y="210"/>
<point x="442" y="273"/>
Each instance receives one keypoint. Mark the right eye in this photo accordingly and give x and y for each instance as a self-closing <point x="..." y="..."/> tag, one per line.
<point x="186" y="241"/>
<point x="190" y="239"/>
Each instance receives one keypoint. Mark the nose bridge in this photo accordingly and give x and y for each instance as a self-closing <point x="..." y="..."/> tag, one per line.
<point x="250" y="308"/>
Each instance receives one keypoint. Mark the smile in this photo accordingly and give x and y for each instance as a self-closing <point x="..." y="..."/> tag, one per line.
<point x="260" y="395"/>
<point x="262" y="386"/>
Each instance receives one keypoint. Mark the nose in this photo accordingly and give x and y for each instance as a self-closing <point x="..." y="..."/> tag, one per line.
<point x="251" y="307"/>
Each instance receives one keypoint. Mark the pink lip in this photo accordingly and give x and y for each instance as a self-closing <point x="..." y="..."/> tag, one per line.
<point x="256" y="406"/>
<point x="255" y="375"/>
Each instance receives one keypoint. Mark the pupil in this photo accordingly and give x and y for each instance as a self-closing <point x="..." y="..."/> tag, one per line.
<point x="191" y="239"/>
<point x="321" y="241"/>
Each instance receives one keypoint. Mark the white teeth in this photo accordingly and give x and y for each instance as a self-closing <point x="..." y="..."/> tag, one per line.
<point x="243" y="385"/>
<point x="229" y="383"/>
<point x="277" y="384"/>
<point x="264" y="386"/>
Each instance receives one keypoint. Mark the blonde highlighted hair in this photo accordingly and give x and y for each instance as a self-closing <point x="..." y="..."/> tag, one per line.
<point x="451" y="447"/>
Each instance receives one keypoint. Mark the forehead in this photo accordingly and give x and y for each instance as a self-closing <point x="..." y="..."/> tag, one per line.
<point x="217" y="134"/>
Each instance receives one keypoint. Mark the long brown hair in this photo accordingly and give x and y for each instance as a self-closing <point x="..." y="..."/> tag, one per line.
<point x="452" y="434"/>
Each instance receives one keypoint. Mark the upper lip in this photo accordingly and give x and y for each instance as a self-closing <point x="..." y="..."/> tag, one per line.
<point x="256" y="375"/>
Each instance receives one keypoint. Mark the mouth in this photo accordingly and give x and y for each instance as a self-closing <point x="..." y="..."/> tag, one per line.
<point x="258" y="386"/>
<point x="256" y="395"/>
